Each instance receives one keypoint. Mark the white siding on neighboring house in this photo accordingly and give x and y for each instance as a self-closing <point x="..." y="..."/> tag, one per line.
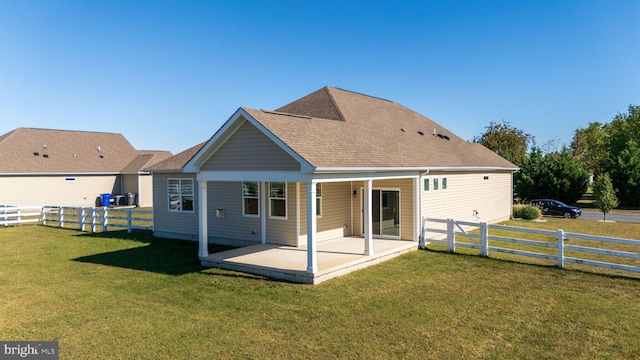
<point x="250" y="149"/>
<point x="471" y="197"/>
<point x="68" y="190"/>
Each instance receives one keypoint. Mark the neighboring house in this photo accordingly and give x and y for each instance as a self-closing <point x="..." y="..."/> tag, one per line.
<point x="334" y="163"/>
<point x="72" y="168"/>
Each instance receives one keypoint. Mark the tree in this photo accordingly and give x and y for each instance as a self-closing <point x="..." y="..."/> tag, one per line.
<point x="605" y="195"/>
<point x="506" y="141"/>
<point x="625" y="174"/>
<point x="554" y="175"/>
<point x="590" y="148"/>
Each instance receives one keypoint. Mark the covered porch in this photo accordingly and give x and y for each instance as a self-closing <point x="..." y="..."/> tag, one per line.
<point x="335" y="257"/>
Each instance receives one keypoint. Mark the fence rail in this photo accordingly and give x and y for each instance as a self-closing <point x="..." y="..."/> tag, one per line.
<point x="91" y="219"/>
<point x="556" y="250"/>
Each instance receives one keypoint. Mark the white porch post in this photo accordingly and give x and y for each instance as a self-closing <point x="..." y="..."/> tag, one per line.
<point x="263" y="212"/>
<point x="417" y="226"/>
<point x="202" y="212"/>
<point x="312" y="260"/>
<point x="298" y="241"/>
<point x="368" y="218"/>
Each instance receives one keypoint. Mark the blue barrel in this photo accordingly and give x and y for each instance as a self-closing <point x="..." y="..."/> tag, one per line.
<point x="106" y="199"/>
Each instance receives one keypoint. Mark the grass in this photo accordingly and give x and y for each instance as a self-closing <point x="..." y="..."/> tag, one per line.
<point x="132" y="296"/>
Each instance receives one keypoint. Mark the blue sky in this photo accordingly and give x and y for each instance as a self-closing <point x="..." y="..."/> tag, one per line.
<point x="167" y="74"/>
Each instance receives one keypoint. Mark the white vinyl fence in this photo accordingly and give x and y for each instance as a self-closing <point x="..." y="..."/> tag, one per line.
<point x="92" y="219"/>
<point x="11" y="215"/>
<point x="556" y="250"/>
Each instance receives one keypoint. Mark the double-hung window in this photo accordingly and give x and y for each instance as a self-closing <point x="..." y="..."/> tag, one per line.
<point x="425" y="186"/>
<point x="278" y="199"/>
<point x="180" y="194"/>
<point x="435" y="184"/>
<point x="251" y="198"/>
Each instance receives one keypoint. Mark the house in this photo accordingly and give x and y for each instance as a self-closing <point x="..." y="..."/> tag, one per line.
<point x="72" y="168"/>
<point x="329" y="165"/>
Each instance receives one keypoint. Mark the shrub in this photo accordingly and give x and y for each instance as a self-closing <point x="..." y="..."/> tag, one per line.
<point x="527" y="212"/>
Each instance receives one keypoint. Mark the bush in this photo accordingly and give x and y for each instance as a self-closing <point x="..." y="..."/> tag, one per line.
<point x="527" y="212"/>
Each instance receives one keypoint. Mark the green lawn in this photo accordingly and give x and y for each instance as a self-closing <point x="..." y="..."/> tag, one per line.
<point x="131" y="296"/>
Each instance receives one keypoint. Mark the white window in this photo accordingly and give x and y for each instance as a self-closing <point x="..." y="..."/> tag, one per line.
<point x="251" y="198"/>
<point x="426" y="184"/>
<point x="435" y="184"/>
<point x="278" y="200"/>
<point x="319" y="199"/>
<point x="180" y="193"/>
<point x="444" y="183"/>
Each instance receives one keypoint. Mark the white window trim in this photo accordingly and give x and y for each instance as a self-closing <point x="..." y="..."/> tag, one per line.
<point x="319" y="203"/>
<point x="244" y="214"/>
<point x="286" y="213"/>
<point x="180" y="194"/>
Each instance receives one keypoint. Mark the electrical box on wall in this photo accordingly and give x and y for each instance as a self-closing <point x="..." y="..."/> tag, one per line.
<point x="220" y="212"/>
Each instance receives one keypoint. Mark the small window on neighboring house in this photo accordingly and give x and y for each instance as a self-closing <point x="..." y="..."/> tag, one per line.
<point x="251" y="198"/>
<point x="425" y="186"/>
<point x="319" y="199"/>
<point x="278" y="200"/>
<point x="435" y="184"/>
<point x="180" y="194"/>
<point x="444" y="183"/>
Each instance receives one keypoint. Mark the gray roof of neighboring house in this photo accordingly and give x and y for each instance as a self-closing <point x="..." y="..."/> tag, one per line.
<point x="337" y="128"/>
<point x="46" y="151"/>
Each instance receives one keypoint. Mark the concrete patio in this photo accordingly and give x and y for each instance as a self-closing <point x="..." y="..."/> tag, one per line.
<point x="336" y="257"/>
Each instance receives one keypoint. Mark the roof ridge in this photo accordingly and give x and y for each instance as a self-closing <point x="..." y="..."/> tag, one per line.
<point x="67" y="130"/>
<point x="285" y="114"/>
<point x="334" y="103"/>
<point x="361" y="94"/>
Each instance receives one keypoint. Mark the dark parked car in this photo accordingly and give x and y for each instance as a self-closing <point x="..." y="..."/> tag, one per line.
<point x="557" y="208"/>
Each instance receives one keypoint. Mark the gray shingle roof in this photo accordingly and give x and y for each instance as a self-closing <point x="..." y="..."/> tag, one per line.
<point x="45" y="151"/>
<point x="332" y="127"/>
<point x="363" y="131"/>
<point x="177" y="161"/>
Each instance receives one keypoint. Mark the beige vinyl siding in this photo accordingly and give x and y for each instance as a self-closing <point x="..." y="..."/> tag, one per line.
<point x="466" y="192"/>
<point x="335" y="221"/>
<point x="406" y="204"/>
<point x="55" y="190"/>
<point x="129" y="184"/>
<point x="145" y="193"/>
<point x="234" y="226"/>
<point x="180" y="225"/>
<point x="250" y="149"/>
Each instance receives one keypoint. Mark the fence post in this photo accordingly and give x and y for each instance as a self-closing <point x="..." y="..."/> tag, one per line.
<point x="43" y="216"/>
<point x="451" y="237"/>
<point x="81" y="218"/>
<point x="93" y="219"/>
<point x="422" y="241"/>
<point x="61" y="217"/>
<point x="484" y="239"/>
<point x="560" y="249"/>
<point x="105" y="221"/>
<point x="129" y="220"/>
